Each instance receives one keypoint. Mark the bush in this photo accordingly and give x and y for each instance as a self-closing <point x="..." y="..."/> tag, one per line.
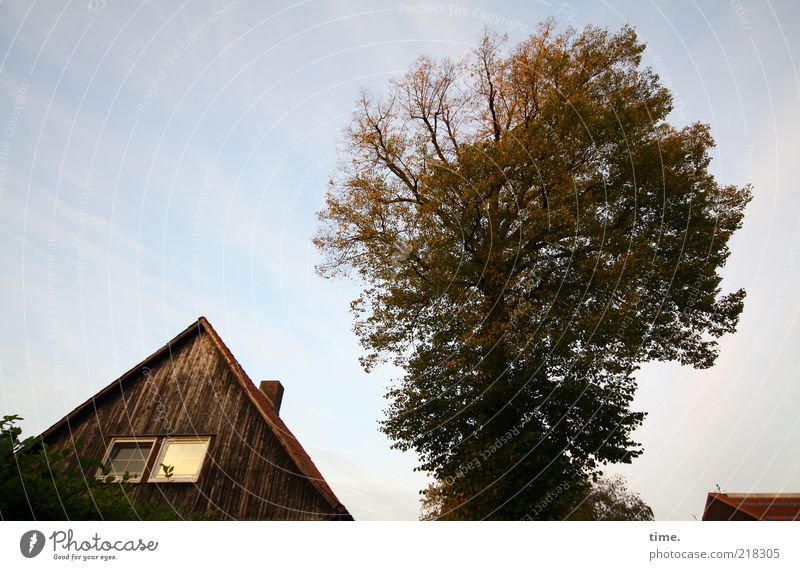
<point x="37" y="483"/>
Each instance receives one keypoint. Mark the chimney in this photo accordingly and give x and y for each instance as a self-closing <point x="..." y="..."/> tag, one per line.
<point x="274" y="392"/>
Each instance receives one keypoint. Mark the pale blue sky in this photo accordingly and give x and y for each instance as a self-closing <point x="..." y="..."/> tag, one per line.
<point x="158" y="162"/>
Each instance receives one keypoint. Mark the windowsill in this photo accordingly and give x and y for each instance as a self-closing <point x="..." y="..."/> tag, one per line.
<point x="119" y="479"/>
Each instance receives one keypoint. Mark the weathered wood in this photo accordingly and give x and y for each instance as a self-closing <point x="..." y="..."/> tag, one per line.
<point x="192" y="390"/>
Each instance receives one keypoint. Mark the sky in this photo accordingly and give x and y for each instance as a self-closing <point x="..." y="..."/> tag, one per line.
<point x="161" y="161"/>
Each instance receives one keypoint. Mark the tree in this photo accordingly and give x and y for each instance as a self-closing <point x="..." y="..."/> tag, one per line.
<point x="37" y="483"/>
<point x="529" y="229"/>
<point x="610" y="500"/>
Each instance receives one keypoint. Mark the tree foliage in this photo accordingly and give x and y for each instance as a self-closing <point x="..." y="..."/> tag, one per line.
<point x="529" y="229"/>
<point x="611" y="500"/>
<point x="37" y="483"/>
<point x="607" y="499"/>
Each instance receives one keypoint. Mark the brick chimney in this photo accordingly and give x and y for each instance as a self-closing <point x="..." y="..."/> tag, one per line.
<point x="274" y="391"/>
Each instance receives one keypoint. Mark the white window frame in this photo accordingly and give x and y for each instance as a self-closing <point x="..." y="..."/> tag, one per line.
<point x="156" y="473"/>
<point x="115" y="440"/>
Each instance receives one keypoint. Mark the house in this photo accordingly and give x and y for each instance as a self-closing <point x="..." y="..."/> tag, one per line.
<point x="191" y="429"/>
<point x="752" y="507"/>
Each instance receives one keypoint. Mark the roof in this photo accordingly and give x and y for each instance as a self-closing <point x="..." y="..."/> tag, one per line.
<point x="760" y="506"/>
<point x="290" y="443"/>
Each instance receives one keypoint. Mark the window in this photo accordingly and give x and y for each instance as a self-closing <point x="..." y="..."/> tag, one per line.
<point x="183" y="456"/>
<point x="128" y="455"/>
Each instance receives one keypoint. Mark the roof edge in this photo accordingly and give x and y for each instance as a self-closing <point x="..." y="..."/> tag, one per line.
<point x="279" y="428"/>
<point x="194" y="327"/>
<point x="725" y="499"/>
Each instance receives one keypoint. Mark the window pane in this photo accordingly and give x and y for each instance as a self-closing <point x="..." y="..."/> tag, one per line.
<point x="186" y="457"/>
<point x="130" y="457"/>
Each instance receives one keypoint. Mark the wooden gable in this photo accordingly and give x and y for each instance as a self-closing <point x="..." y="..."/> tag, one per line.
<point x="254" y="469"/>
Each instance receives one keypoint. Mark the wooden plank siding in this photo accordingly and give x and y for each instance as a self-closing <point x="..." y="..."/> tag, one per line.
<point x="192" y="389"/>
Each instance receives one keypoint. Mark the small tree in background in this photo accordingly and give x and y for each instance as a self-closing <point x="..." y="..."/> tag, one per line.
<point x="608" y="499"/>
<point x="529" y="229"/>
<point x="611" y="500"/>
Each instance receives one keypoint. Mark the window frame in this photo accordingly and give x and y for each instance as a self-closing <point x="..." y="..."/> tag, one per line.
<point x="155" y="475"/>
<point x="153" y="441"/>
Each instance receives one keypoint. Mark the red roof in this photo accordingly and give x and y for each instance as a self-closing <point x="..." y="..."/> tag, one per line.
<point x="757" y="506"/>
<point x="287" y="439"/>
